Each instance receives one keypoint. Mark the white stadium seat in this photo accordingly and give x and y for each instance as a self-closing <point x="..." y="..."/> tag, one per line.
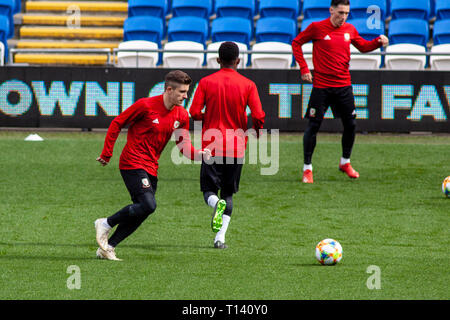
<point x="211" y="58"/>
<point x="183" y="59"/>
<point x="405" y="62"/>
<point x="364" y="62"/>
<point x="271" y="60"/>
<point x="438" y="62"/>
<point x="133" y="59"/>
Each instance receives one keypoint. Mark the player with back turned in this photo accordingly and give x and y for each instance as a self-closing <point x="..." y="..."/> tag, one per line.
<point x="152" y="121"/>
<point x="332" y="82"/>
<point x="225" y="96"/>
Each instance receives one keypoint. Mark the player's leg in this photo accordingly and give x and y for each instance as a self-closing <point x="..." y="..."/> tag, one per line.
<point x="318" y="103"/>
<point x="345" y="105"/>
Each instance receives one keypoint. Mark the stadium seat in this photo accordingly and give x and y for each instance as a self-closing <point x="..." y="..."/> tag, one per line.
<point x="438" y="62"/>
<point x="307" y="22"/>
<point x="17" y="6"/>
<point x="235" y="8"/>
<point x="271" y="60"/>
<point x="275" y="29"/>
<point x="7" y="10"/>
<point x="365" y="31"/>
<point x="414" y="31"/>
<point x="2" y="54"/>
<point x="194" y="8"/>
<point x="4" y="29"/>
<point x="133" y="59"/>
<point x="155" y="8"/>
<point x="187" y="28"/>
<point x="307" y="49"/>
<point x="143" y="28"/>
<point x="279" y="8"/>
<point x="231" y="29"/>
<point x="405" y="62"/>
<point x="418" y="9"/>
<point x="441" y="32"/>
<point x="442" y="9"/>
<point x="211" y="57"/>
<point x="365" y="61"/>
<point x="316" y="9"/>
<point x="365" y="9"/>
<point x="183" y="59"/>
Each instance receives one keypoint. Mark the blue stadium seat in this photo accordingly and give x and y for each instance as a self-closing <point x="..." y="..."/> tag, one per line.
<point x="155" y="8"/>
<point x="279" y="8"/>
<point x="4" y="30"/>
<point x="368" y="33"/>
<point x="7" y="10"/>
<point x="413" y="31"/>
<point x="442" y="9"/>
<point x="418" y="9"/>
<point x="231" y="29"/>
<point x="359" y="8"/>
<point x="17" y="6"/>
<point x="194" y="8"/>
<point x="316" y="9"/>
<point x="188" y="28"/>
<point x="275" y="29"/>
<point x="441" y="32"/>
<point x="143" y="28"/>
<point x="307" y="22"/>
<point x="235" y="8"/>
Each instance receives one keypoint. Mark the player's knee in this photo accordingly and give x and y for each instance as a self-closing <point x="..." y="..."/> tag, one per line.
<point x="147" y="205"/>
<point x="229" y="207"/>
<point x="349" y="124"/>
<point x="314" y="125"/>
<point x="206" y="196"/>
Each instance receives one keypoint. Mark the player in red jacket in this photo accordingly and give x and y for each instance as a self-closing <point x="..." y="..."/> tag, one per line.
<point x="225" y="96"/>
<point x="151" y="124"/>
<point x="332" y="83"/>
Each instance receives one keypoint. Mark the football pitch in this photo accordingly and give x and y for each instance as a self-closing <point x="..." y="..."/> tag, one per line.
<point x="392" y="222"/>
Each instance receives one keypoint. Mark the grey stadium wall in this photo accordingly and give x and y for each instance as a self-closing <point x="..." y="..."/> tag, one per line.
<point x="90" y="97"/>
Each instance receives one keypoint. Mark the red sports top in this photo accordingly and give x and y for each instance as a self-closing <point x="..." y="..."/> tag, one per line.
<point x="150" y="127"/>
<point x="226" y="95"/>
<point x="331" y="52"/>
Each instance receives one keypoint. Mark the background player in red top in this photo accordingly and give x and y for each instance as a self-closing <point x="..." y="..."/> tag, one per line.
<point x="151" y="124"/>
<point x="332" y="83"/>
<point x="225" y="95"/>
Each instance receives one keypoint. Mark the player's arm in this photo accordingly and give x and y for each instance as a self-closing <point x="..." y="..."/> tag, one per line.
<point x="129" y="115"/>
<point x="302" y="38"/>
<point x="184" y="143"/>
<point x="257" y="113"/>
<point x="364" y="45"/>
<point x="198" y="103"/>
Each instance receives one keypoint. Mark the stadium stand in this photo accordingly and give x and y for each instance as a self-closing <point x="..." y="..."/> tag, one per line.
<point x="442" y="9"/>
<point x="275" y="29"/>
<point x="189" y="28"/>
<point x="270" y="60"/>
<point x="279" y="8"/>
<point x="235" y="8"/>
<point x="441" y="32"/>
<point x="7" y="9"/>
<point x="419" y="9"/>
<point x="155" y="8"/>
<point x="131" y="59"/>
<point x="365" y="8"/>
<point x="316" y="9"/>
<point x="4" y="31"/>
<point x="183" y="59"/>
<point x="231" y="29"/>
<point x="146" y="28"/>
<point x="194" y="8"/>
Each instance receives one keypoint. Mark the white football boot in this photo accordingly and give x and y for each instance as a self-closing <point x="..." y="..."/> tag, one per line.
<point x="102" y="233"/>
<point x="107" y="254"/>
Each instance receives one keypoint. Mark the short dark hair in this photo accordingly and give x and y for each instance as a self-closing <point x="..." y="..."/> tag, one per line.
<point x="335" y="3"/>
<point x="228" y="52"/>
<point x="176" y="78"/>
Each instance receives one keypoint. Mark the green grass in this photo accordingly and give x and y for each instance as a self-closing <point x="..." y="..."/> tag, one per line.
<point x="395" y="217"/>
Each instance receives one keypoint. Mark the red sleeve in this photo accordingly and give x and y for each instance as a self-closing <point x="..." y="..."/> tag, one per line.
<point x="198" y="103"/>
<point x="131" y="114"/>
<point x="255" y="106"/>
<point x="363" y="45"/>
<point x="302" y="38"/>
<point x="184" y="143"/>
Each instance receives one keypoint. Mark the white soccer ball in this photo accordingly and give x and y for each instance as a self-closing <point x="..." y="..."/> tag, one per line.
<point x="328" y="252"/>
<point x="446" y="187"/>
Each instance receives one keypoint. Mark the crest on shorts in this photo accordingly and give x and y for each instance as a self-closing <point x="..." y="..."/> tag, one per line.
<point x="176" y="124"/>
<point x="312" y="112"/>
<point x="145" y="183"/>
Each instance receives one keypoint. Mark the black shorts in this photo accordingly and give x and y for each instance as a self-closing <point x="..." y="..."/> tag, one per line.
<point x="139" y="182"/>
<point x="221" y="175"/>
<point x="340" y="99"/>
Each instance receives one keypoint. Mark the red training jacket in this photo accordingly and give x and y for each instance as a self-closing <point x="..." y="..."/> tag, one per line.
<point x="331" y="52"/>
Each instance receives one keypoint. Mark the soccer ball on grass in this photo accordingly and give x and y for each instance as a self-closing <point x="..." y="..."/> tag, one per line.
<point x="328" y="252"/>
<point x="446" y="187"/>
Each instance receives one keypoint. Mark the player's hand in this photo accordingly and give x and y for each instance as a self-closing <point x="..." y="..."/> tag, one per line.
<point x="102" y="162"/>
<point x="307" y="77"/>
<point x="383" y="40"/>
<point x="206" y="153"/>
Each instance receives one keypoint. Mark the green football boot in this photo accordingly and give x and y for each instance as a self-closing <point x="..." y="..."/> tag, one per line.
<point x="216" y="221"/>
